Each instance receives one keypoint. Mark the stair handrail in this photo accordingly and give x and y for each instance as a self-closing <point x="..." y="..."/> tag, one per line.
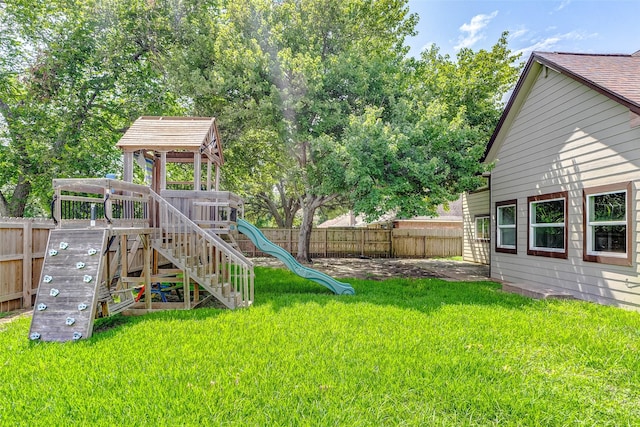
<point x="236" y="270"/>
<point x="212" y="238"/>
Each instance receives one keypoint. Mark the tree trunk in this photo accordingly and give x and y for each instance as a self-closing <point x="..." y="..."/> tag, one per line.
<point x="4" y="206"/>
<point x="309" y="206"/>
<point x="304" y="237"/>
<point x="18" y="202"/>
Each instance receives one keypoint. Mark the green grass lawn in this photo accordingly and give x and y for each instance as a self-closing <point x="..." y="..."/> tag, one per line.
<point x="399" y="352"/>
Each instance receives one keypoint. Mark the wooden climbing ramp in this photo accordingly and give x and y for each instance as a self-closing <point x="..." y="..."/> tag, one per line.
<point x="68" y="289"/>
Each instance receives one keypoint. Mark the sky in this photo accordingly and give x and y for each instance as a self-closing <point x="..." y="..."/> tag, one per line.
<point x="580" y="26"/>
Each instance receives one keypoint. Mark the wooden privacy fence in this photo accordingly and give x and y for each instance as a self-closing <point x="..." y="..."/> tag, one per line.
<point x="23" y="244"/>
<point x="375" y="243"/>
<point x="22" y="248"/>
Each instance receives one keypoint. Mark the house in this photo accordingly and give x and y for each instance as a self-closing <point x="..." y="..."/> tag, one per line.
<point x="476" y="220"/>
<point x="563" y="205"/>
<point x="449" y="217"/>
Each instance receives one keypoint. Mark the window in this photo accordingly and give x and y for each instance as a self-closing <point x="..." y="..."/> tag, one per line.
<point x="506" y="226"/>
<point x="548" y="225"/>
<point x="607" y="224"/>
<point x="482" y="227"/>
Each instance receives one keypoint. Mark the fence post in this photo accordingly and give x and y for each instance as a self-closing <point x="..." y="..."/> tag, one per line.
<point x="290" y="241"/>
<point x="424" y="246"/>
<point x="27" y="263"/>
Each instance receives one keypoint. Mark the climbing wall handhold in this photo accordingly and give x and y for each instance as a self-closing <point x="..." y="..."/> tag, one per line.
<point x="77" y="336"/>
<point x="54" y="292"/>
<point x="82" y="306"/>
<point x="42" y="306"/>
<point x="87" y="278"/>
<point x="53" y="252"/>
<point x="47" y="278"/>
<point x="70" y="321"/>
<point x="63" y="245"/>
<point x="34" y="336"/>
<point x="92" y="251"/>
<point x="79" y="265"/>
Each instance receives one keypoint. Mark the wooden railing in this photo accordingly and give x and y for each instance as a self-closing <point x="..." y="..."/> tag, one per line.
<point x="100" y="202"/>
<point x="210" y="261"/>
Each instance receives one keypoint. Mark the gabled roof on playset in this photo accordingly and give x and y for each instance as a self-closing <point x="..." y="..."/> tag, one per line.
<point x="616" y="76"/>
<point x="174" y="134"/>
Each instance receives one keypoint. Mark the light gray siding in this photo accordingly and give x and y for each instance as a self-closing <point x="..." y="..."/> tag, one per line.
<point x="474" y="205"/>
<point x="567" y="137"/>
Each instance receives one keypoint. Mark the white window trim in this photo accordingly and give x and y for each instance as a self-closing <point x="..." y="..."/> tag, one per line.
<point x="542" y="250"/>
<point x="487" y="231"/>
<point x="500" y="227"/>
<point x="590" y="224"/>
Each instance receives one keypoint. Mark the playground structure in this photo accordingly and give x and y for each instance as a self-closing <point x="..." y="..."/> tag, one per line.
<point x="116" y="242"/>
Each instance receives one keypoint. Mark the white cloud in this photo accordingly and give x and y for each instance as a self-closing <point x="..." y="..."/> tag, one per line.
<point x="516" y="34"/>
<point x="562" y="5"/>
<point x="550" y="43"/>
<point x="473" y="30"/>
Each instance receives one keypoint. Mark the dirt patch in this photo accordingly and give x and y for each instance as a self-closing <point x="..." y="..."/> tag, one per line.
<point x="385" y="268"/>
<point x="14" y="315"/>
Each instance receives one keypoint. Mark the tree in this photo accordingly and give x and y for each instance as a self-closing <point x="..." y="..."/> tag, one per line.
<point x="78" y="72"/>
<point x="286" y="77"/>
<point x="428" y="149"/>
<point x="319" y="104"/>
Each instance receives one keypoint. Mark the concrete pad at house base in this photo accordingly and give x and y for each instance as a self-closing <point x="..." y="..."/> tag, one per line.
<point x="535" y="292"/>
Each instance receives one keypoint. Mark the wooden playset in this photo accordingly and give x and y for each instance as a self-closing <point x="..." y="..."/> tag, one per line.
<point x="115" y="239"/>
<point x="117" y="244"/>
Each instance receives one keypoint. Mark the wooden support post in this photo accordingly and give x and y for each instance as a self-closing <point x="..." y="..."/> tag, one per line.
<point x="197" y="171"/>
<point x="57" y="207"/>
<point x="163" y="170"/>
<point x="146" y="270"/>
<point x="186" y="281"/>
<point x="128" y="166"/>
<point x="124" y="264"/>
<point x="27" y="264"/>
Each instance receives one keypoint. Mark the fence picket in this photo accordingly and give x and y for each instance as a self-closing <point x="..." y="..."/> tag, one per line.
<point x="24" y="243"/>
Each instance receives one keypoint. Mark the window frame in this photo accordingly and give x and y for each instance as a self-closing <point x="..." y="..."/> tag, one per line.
<point x="541" y="251"/>
<point x="487" y="232"/>
<point x="603" y="256"/>
<point x="499" y="247"/>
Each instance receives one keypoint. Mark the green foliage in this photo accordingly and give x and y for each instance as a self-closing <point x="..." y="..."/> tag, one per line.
<point x="399" y="352"/>
<point x="85" y="70"/>
<point x="548" y="212"/>
<point x="608" y="207"/>
<point x="317" y="103"/>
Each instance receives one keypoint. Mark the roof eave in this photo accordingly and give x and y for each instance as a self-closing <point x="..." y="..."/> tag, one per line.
<point x="632" y="106"/>
<point x="515" y="96"/>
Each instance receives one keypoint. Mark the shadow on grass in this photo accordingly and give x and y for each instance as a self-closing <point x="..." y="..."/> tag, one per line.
<point x="110" y="327"/>
<point x="281" y="288"/>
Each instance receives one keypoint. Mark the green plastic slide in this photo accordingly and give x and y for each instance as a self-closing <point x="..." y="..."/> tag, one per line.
<point x="267" y="246"/>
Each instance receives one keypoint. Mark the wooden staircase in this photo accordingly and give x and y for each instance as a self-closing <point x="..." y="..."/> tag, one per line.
<point x="203" y="256"/>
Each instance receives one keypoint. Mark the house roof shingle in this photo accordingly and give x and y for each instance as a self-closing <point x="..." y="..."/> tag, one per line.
<point x="617" y="75"/>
